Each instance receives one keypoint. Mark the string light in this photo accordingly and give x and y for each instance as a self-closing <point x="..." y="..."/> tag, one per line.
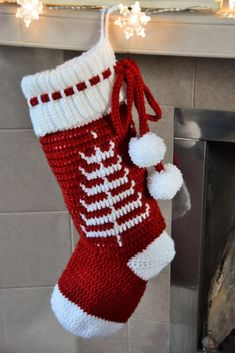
<point x="133" y="21"/>
<point x="29" y="10"/>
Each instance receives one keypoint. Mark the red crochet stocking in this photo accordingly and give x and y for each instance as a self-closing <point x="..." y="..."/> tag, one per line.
<point x="116" y="218"/>
<point x="100" y="165"/>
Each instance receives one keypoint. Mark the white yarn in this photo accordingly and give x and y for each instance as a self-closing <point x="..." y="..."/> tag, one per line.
<point x="158" y="254"/>
<point x="119" y="228"/>
<point x="110" y="185"/>
<point x="83" y="106"/>
<point x="75" y="70"/>
<point x="115" y="213"/>
<point x="165" y="184"/>
<point x="107" y="201"/>
<point x="102" y="171"/>
<point x="99" y="156"/>
<point x="147" y="151"/>
<point x="75" y="320"/>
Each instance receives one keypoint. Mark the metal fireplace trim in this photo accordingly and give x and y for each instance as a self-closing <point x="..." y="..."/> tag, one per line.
<point x="193" y="129"/>
<point x="213" y="125"/>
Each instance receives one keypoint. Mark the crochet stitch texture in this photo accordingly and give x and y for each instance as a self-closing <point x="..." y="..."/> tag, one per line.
<point x="82" y="113"/>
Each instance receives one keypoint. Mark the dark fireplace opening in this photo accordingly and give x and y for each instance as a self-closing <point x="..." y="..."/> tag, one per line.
<point x="219" y="219"/>
<point x="202" y="280"/>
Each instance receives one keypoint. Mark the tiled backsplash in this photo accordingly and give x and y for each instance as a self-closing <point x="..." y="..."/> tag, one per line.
<point x="36" y="233"/>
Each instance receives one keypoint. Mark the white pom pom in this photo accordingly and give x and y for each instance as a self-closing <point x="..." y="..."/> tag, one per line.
<point x="147" y="151"/>
<point x="165" y="184"/>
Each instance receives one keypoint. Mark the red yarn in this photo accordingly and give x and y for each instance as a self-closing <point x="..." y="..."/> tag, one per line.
<point x="97" y="277"/>
<point x="159" y="167"/>
<point x="69" y="91"/>
<point x="127" y="71"/>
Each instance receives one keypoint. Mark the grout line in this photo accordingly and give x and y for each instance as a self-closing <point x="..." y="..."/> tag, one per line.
<point x="71" y="233"/>
<point x="32" y="212"/>
<point x="27" y="287"/>
<point x="15" y="130"/>
<point x="128" y="337"/>
<point x="174" y="106"/>
<point x="194" y="83"/>
<point x="167" y="105"/>
<point x="151" y="320"/>
<point x="159" y="275"/>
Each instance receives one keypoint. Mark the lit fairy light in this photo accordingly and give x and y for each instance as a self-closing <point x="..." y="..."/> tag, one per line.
<point x="228" y="10"/>
<point x="230" y="13"/>
<point x="29" y="10"/>
<point x="231" y="4"/>
<point x="133" y="21"/>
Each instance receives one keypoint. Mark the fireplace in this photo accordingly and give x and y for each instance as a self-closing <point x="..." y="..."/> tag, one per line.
<point x="203" y="222"/>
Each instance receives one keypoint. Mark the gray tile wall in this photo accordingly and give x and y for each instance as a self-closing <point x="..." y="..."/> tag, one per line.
<point x="36" y="234"/>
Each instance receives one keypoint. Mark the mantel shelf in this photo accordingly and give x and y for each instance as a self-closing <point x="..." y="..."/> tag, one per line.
<point x="167" y="34"/>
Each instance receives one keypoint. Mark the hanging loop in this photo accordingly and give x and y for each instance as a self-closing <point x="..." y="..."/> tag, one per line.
<point x="105" y="14"/>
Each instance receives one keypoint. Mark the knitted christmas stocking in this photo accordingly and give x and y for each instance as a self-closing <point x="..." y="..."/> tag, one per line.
<point x="82" y="113"/>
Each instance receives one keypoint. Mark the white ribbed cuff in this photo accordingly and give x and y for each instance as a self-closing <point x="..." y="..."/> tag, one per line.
<point x="52" y="109"/>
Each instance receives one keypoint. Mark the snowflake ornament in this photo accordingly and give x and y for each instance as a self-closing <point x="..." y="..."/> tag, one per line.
<point x="133" y="21"/>
<point x="29" y="10"/>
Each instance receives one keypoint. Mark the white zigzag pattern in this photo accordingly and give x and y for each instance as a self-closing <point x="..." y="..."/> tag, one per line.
<point x="99" y="156"/>
<point x="106" y="186"/>
<point x="119" y="229"/>
<point x="102" y="172"/>
<point x="115" y="214"/>
<point x="107" y="201"/>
